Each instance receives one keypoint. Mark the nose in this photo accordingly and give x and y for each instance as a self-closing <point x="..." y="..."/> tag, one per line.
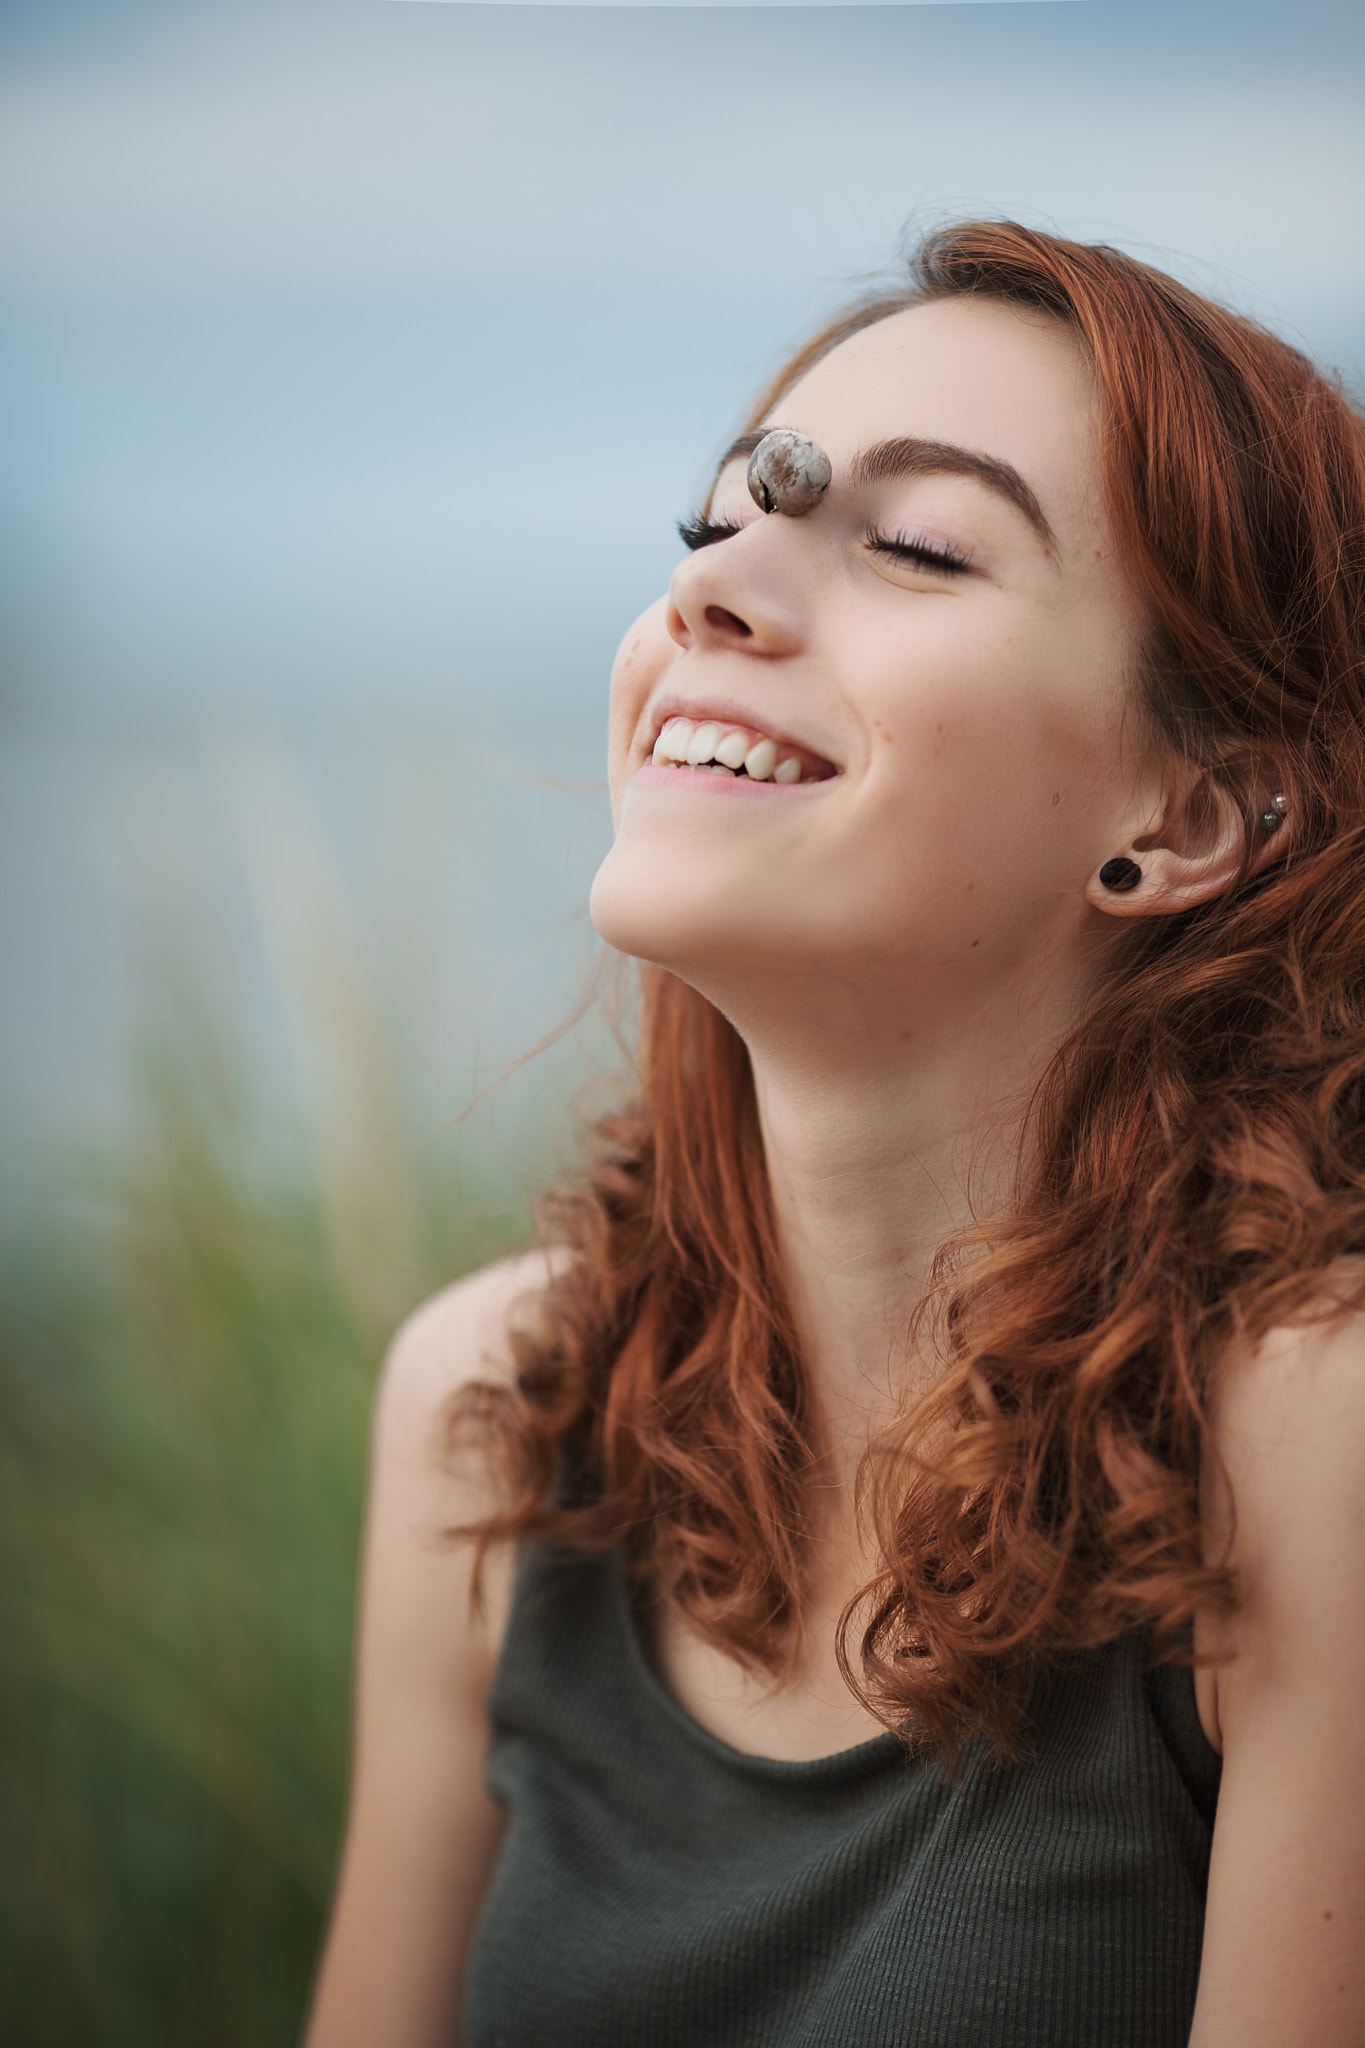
<point x="724" y="599"/>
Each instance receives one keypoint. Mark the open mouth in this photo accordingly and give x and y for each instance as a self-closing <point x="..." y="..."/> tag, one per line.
<point x="718" y="748"/>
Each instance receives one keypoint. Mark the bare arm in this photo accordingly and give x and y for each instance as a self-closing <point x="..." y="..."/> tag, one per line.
<point x="1284" y="1949"/>
<point x="422" y="1832"/>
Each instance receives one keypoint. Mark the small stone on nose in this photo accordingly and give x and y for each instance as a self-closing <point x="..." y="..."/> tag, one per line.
<point x="788" y="473"/>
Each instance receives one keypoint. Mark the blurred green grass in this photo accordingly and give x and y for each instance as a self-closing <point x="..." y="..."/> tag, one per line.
<point x="185" y="1376"/>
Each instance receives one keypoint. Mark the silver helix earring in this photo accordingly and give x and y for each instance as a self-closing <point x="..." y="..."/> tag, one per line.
<point x="1272" y="819"/>
<point x="788" y="473"/>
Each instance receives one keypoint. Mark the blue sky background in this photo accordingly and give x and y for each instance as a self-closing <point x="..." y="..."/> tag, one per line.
<point x="356" y="359"/>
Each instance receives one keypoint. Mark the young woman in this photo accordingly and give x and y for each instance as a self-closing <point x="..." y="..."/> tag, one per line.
<point x="929" y="1453"/>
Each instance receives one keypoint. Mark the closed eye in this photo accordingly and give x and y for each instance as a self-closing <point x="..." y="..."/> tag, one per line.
<point x="701" y="532"/>
<point x="923" y="553"/>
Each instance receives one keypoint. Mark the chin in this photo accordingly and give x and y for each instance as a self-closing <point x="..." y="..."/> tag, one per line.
<point x="655" y="923"/>
<point x="666" y="914"/>
<point x="723" y="941"/>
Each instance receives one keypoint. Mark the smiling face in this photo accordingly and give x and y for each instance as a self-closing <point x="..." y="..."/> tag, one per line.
<point x="941" y="653"/>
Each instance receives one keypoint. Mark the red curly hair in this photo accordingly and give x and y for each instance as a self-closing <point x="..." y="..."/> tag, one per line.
<point x="1196" y="1151"/>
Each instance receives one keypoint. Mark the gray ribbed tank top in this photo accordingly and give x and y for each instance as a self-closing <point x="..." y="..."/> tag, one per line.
<point x="658" y="1889"/>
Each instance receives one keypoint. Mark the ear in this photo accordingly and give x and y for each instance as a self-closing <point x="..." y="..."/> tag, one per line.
<point x="1196" y="848"/>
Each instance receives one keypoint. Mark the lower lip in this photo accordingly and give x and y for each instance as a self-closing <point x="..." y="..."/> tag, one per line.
<point x="699" y="780"/>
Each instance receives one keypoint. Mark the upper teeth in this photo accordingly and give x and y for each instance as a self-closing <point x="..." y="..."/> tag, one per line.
<point x="725" y="749"/>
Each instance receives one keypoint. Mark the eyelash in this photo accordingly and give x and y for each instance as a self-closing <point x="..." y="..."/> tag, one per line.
<point x="701" y="532"/>
<point x="950" y="561"/>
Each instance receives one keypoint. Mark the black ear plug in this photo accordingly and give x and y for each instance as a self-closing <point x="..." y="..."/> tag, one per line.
<point x="1120" y="874"/>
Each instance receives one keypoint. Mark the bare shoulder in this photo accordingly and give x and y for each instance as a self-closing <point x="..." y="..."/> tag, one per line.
<point x="422" y="1830"/>
<point x="1284" y="1956"/>
<point x="1288" y="1421"/>
<point x="457" y="1337"/>
<point x="418" y="1574"/>
<point x="1285" y="1496"/>
<point x="1301" y="1373"/>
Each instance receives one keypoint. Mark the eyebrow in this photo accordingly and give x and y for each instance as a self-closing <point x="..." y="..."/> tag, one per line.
<point x="888" y="461"/>
<point x="744" y="446"/>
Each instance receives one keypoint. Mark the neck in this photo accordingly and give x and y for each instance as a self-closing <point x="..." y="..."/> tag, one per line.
<point x="881" y="1144"/>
